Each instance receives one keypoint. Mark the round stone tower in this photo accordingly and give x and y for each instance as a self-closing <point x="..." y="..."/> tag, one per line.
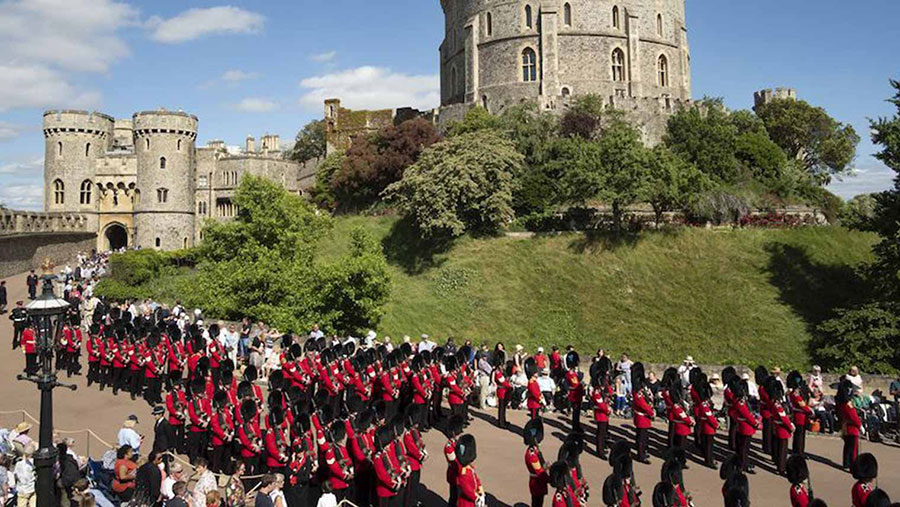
<point x="501" y="52"/>
<point x="164" y="203"/>
<point x="73" y="140"/>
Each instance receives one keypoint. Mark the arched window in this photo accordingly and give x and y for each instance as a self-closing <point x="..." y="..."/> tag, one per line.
<point x="567" y="14"/>
<point x="87" y="150"/>
<point x="565" y="91"/>
<point x="618" y="65"/>
<point x="158" y="242"/>
<point x="185" y="242"/>
<point x="615" y="17"/>
<point x="162" y="162"/>
<point x="484" y="101"/>
<point x="490" y="24"/>
<point x="59" y="148"/>
<point x="59" y="192"/>
<point x="659" y="25"/>
<point x="147" y="143"/>
<point x="529" y="20"/>
<point x="179" y="145"/>
<point x="529" y="65"/>
<point x="662" y="66"/>
<point x="86" y="191"/>
<point x="162" y="195"/>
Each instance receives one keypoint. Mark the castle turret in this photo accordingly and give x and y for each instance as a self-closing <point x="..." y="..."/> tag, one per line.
<point x="164" y="207"/>
<point x="73" y="140"/>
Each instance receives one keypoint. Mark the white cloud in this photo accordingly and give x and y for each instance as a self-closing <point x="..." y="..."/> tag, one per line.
<point x="44" y="41"/>
<point x="24" y="196"/>
<point x="256" y="105"/>
<point x="323" y="57"/>
<point x="9" y="131"/>
<point x="869" y="176"/>
<point x="372" y="88"/>
<point x="23" y="86"/>
<point x="236" y="76"/>
<point x="28" y="167"/>
<point x="195" y="23"/>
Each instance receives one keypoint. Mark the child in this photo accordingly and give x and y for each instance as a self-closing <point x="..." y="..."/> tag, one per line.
<point x="620" y="395"/>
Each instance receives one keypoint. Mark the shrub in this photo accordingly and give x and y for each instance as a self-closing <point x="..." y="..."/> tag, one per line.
<point x="136" y="267"/>
<point x="719" y="207"/>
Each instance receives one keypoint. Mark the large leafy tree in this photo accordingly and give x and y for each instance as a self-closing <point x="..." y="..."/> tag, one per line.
<point x="705" y="136"/>
<point x="464" y="183"/>
<point x="805" y="132"/>
<point x="373" y="163"/>
<point x="672" y="183"/>
<point x="309" y="143"/>
<point x="868" y="334"/>
<point x="263" y="264"/>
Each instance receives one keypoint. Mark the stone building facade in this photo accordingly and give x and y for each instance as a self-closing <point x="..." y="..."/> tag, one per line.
<point x="143" y="181"/>
<point x="632" y="53"/>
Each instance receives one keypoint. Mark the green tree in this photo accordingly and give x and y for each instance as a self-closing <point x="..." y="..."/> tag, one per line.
<point x="263" y="265"/>
<point x="309" y="143"/>
<point x="760" y="155"/>
<point x="372" y="163"/>
<point x="705" y="136"/>
<point x="464" y="183"/>
<point x="322" y="194"/>
<point x="866" y="337"/>
<point x="859" y="212"/>
<point x="825" y="146"/>
<point x="672" y="183"/>
<point x="476" y="119"/>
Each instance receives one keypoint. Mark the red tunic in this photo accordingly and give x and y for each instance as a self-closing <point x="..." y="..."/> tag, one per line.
<point x="643" y="412"/>
<point x="782" y="423"/>
<point x="850" y="423"/>
<point x="249" y="435"/>
<point x="537" y="474"/>
<point x="802" y="411"/>
<point x="175" y="418"/>
<point x="450" y="456"/>
<point x="28" y="342"/>
<point x="456" y="395"/>
<point x="799" y="496"/>
<point x="386" y="485"/>
<point x="274" y="440"/>
<point x="601" y="407"/>
<point x="576" y="389"/>
<point x="338" y="469"/>
<point x="221" y="424"/>
<point x="534" y="395"/>
<point x="503" y="385"/>
<point x="420" y="389"/>
<point x="708" y="419"/>
<point x="469" y="486"/>
<point x="683" y="422"/>
<point x="860" y="493"/>
<point x="747" y="423"/>
<point x="415" y="452"/>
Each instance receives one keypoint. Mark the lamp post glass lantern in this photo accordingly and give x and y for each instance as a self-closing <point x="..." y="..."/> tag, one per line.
<point x="47" y="316"/>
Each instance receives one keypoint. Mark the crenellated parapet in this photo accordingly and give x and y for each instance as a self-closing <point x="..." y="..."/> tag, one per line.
<point x="13" y="222"/>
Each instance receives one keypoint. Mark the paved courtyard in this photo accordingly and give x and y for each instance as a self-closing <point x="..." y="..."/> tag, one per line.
<point x="500" y="460"/>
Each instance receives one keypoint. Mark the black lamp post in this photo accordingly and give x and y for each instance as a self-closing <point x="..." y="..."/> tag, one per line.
<point x="47" y="315"/>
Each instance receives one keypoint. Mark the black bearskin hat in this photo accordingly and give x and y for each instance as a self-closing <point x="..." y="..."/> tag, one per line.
<point x="676" y="454"/>
<point x="455" y="426"/>
<point x="531" y="368"/>
<point x="418" y="362"/>
<point x="338" y="431"/>
<point x="250" y="374"/>
<point x="244" y="389"/>
<point x="276" y="415"/>
<point x="878" y="498"/>
<point x="465" y="450"/>
<point x="664" y="495"/>
<point x="296" y="351"/>
<point x="227" y="378"/>
<point x="623" y="467"/>
<point x="637" y="376"/>
<point x="619" y="449"/>
<point x="760" y="374"/>
<point x="671" y="472"/>
<point x="794" y="380"/>
<point x="383" y="437"/>
<point x="568" y="452"/>
<point x="670" y="378"/>
<point x="355" y="404"/>
<point x="198" y="385"/>
<point x="818" y="502"/>
<point x="220" y="399"/>
<point x="730" y="465"/>
<point x="737" y="497"/>
<point x="406" y="349"/>
<point x="729" y="373"/>
<point x="364" y="420"/>
<point x="276" y="379"/>
<point x="694" y="375"/>
<point x="248" y="410"/>
<point x="559" y="474"/>
<point x="865" y="468"/>
<point x="797" y="469"/>
<point x="533" y="434"/>
<point x="612" y="490"/>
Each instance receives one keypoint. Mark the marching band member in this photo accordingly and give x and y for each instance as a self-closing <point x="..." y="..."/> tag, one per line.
<point x="802" y="412"/>
<point x="471" y="491"/>
<point x="535" y="399"/>
<point x="534" y="462"/>
<point x="798" y="475"/>
<point x="643" y="410"/>
<point x="575" y="395"/>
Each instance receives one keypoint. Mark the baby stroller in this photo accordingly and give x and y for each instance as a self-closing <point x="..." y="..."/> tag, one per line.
<point x="881" y="420"/>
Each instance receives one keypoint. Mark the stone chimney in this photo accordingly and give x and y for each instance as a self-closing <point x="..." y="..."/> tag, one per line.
<point x="251" y="145"/>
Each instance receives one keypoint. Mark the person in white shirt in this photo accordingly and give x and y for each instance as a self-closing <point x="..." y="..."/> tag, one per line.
<point x="176" y="473"/>
<point x="684" y="371"/>
<point x="25" y="478"/>
<point x="127" y="435"/>
<point x="854" y="377"/>
<point x="327" y="499"/>
<point x="426" y="344"/>
<point x="316" y="333"/>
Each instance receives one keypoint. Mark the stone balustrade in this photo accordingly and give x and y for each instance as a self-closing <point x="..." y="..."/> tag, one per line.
<point x="14" y="222"/>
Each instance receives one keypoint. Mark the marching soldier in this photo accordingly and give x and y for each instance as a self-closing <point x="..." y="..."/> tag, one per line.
<point x="535" y="399"/>
<point x="865" y="471"/>
<point x="683" y="422"/>
<point x="559" y="479"/>
<point x="250" y="436"/>
<point x="471" y="491"/>
<point x="19" y="318"/>
<point x="339" y="468"/>
<point x="850" y="423"/>
<point x="276" y="442"/>
<point x="176" y="406"/>
<point x="782" y="427"/>
<point x="798" y="476"/>
<point x="199" y="411"/>
<point x="415" y="452"/>
<point x="747" y="423"/>
<point x="454" y="428"/>
<point x="803" y="413"/>
<point x="643" y="411"/>
<point x="504" y="388"/>
<point x="534" y="461"/>
<point x="221" y="434"/>
<point x="29" y="348"/>
<point x="575" y="388"/>
<point x="389" y="481"/>
<point x="599" y="396"/>
<point x="94" y="348"/>
<point x="708" y="422"/>
<point x="73" y="352"/>
<point x="765" y="408"/>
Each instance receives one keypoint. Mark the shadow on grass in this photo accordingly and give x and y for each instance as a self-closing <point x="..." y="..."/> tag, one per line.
<point x="814" y="290"/>
<point x="403" y="246"/>
<point x="595" y="240"/>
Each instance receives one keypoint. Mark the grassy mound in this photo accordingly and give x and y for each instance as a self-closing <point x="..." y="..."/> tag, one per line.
<point x="722" y="296"/>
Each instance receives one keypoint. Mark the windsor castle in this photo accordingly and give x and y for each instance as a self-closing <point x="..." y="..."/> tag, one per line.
<point x="144" y="182"/>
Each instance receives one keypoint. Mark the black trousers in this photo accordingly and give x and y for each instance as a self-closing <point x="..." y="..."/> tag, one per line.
<point x="670" y="436"/>
<point x="17" y="335"/>
<point x="93" y="372"/>
<point x="537" y="501"/>
<point x="454" y="496"/>
<point x="30" y="364"/>
<point x="153" y="393"/>
<point x="767" y="437"/>
<point x="743" y="450"/>
<point x="137" y="381"/>
<point x="799" y="444"/>
<point x="197" y="441"/>
<point x="390" y="408"/>
<point x="220" y="458"/>
<point x="576" y="415"/>
<point x="640" y="440"/>
<point x="779" y="454"/>
<point x="459" y="410"/>
<point x="708" y="457"/>
<point x="251" y="465"/>
<point x="602" y="430"/>
<point x="732" y="433"/>
<point x="389" y="501"/>
<point x="501" y="410"/>
<point x="678" y="441"/>
<point x="437" y="413"/>
<point x="851" y="450"/>
<point x="411" y="492"/>
<point x="105" y="376"/>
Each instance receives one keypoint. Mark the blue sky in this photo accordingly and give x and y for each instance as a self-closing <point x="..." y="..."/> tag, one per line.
<point x="264" y="67"/>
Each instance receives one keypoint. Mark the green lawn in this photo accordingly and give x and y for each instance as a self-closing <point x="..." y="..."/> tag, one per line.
<point x="720" y="295"/>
